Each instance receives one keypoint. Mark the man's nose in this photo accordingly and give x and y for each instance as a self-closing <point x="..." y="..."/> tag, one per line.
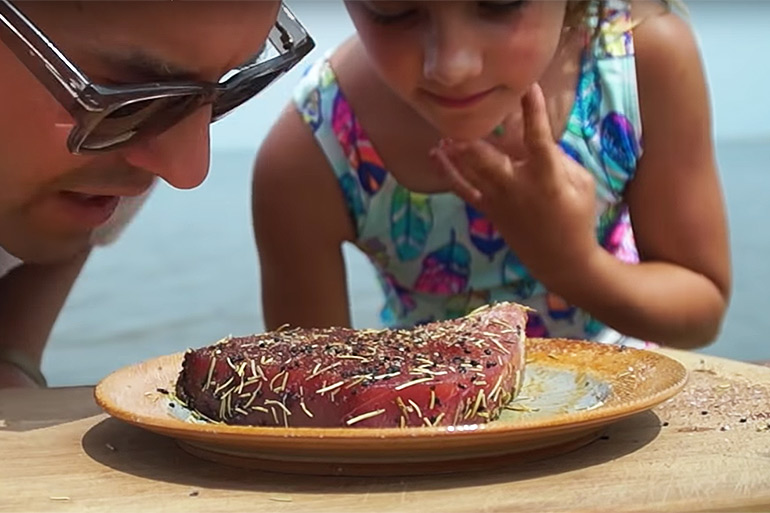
<point x="452" y="56"/>
<point x="180" y="155"/>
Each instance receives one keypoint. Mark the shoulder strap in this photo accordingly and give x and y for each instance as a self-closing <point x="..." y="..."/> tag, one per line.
<point x="327" y="113"/>
<point x="609" y="90"/>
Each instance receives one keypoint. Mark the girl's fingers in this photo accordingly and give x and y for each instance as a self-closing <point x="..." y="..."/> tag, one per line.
<point x="538" y="136"/>
<point x="488" y="169"/>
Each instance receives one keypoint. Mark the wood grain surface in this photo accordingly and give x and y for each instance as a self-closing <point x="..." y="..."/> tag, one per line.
<point x="707" y="449"/>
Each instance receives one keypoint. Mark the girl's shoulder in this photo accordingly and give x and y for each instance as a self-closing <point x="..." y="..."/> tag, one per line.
<point x="668" y="61"/>
<point x="340" y="68"/>
<point x="673" y="97"/>
<point x="662" y="37"/>
<point x="646" y="10"/>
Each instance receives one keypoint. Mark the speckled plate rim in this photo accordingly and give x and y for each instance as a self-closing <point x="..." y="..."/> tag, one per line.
<point x="639" y="380"/>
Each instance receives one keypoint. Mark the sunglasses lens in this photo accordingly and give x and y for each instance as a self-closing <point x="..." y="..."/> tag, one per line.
<point x="241" y="93"/>
<point x="140" y="118"/>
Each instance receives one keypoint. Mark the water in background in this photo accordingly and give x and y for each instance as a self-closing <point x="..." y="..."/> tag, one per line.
<point x="185" y="273"/>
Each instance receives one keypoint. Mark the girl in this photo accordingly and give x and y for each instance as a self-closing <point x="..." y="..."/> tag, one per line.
<point x="502" y="150"/>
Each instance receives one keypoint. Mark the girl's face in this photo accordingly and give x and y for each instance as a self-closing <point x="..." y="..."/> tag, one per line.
<point x="462" y="65"/>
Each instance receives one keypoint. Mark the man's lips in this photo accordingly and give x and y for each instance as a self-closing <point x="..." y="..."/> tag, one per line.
<point x="86" y="210"/>
<point x="120" y="191"/>
<point x="458" y="101"/>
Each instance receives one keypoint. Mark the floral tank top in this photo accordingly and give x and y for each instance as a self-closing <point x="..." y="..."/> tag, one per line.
<point x="436" y="256"/>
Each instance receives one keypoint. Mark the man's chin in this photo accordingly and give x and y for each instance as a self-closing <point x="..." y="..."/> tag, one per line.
<point x="48" y="250"/>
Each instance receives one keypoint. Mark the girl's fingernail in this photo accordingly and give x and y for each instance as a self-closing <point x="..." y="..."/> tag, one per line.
<point x="437" y="153"/>
<point x="459" y="147"/>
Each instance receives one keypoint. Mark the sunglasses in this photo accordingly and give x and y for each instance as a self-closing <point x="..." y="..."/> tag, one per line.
<point x="108" y="117"/>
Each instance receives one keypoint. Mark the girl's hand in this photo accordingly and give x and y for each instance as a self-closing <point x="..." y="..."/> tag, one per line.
<point x="544" y="207"/>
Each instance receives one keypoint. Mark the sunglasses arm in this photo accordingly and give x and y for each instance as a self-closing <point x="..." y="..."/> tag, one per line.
<point x="288" y="33"/>
<point x="42" y="58"/>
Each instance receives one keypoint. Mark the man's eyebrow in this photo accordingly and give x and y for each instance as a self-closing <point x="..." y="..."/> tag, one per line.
<point x="138" y="64"/>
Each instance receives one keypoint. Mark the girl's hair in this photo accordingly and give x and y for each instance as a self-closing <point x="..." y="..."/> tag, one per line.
<point x="578" y="11"/>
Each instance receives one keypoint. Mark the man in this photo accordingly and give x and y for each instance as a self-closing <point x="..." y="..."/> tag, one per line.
<point x="97" y="99"/>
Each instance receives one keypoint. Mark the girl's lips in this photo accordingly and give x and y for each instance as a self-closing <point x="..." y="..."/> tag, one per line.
<point x="458" y="102"/>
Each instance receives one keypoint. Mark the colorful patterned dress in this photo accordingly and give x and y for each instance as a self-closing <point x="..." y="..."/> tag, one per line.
<point x="438" y="257"/>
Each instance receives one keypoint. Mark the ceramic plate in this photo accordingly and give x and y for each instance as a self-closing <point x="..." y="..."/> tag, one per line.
<point x="571" y="391"/>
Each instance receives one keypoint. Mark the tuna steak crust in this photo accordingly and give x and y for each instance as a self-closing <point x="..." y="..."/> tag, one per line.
<point x="447" y="373"/>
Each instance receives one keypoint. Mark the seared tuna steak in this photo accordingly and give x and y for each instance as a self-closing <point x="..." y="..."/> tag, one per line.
<point x="446" y="373"/>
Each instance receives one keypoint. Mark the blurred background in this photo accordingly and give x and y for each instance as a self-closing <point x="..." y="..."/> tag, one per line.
<point x="185" y="272"/>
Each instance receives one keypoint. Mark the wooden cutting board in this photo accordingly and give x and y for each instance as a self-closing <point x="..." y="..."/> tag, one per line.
<point x="708" y="449"/>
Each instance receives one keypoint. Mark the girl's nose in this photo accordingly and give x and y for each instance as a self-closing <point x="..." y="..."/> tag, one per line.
<point x="452" y="54"/>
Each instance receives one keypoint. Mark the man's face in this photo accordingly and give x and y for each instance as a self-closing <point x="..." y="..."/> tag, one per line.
<point x="51" y="200"/>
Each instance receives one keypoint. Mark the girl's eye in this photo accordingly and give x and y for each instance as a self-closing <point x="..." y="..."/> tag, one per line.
<point x="502" y="7"/>
<point x="389" y="12"/>
<point x="390" y="18"/>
